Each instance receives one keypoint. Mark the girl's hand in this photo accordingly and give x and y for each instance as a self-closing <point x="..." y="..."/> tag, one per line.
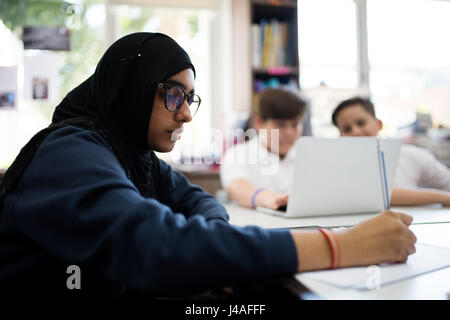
<point x="384" y="238"/>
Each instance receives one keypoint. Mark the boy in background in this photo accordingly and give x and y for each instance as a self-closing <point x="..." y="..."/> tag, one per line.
<point x="417" y="168"/>
<point x="254" y="183"/>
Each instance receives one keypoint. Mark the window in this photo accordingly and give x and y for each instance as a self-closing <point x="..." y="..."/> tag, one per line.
<point x="43" y="77"/>
<point x="407" y="54"/>
<point x="327" y="43"/>
<point x="409" y="60"/>
<point x="328" y="57"/>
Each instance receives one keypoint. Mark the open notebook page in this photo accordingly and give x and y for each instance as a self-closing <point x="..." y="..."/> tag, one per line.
<point x="426" y="259"/>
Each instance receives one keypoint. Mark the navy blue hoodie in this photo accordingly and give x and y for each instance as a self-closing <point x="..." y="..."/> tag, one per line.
<point x="74" y="205"/>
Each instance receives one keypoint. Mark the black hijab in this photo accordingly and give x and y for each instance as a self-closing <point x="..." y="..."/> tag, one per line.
<point x="116" y="102"/>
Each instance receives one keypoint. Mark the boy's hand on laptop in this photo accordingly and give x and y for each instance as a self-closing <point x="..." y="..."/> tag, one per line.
<point x="271" y="199"/>
<point x="446" y="200"/>
<point x="384" y="238"/>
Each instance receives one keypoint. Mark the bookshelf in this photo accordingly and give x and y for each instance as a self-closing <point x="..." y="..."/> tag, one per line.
<point x="274" y="45"/>
<point x="245" y="15"/>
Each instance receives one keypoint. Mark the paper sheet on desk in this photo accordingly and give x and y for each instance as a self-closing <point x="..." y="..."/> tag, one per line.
<point x="426" y="259"/>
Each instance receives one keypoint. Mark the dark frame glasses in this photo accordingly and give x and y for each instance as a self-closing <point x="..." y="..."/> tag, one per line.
<point x="175" y="95"/>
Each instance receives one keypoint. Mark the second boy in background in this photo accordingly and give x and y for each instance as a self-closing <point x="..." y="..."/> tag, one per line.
<point x="417" y="168"/>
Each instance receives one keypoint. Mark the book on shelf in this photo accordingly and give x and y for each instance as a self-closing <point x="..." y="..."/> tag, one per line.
<point x="270" y="44"/>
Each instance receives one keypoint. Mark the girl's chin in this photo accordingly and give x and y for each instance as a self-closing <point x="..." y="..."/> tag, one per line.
<point x="166" y="147"/>
<point x="169" y="147"/>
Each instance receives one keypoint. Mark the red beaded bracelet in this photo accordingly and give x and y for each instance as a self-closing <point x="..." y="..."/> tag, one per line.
<point x="334" y="248"/>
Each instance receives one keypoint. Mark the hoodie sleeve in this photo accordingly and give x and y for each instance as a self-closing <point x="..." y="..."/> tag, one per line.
<point x="189" y="199"/>
<point x="77" y="205"/>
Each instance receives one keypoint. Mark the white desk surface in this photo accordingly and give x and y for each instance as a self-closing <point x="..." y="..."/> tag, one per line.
<point x="242" y="217"/>
<point x="431" y="226"/>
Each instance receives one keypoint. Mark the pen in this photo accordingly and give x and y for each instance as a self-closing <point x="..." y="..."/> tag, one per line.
<point x="387" y="202"/>
<point x="383" y="179"/>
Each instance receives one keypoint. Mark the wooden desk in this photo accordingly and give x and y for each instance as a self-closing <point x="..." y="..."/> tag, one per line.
<point x="433" y="285"/>
<point x="207" y="178"/>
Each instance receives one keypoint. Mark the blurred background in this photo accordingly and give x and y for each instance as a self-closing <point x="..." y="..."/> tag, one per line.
<point x="395" y="51"/>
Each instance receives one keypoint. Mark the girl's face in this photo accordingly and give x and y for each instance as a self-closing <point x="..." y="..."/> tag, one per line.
<point x="165" y="126"/>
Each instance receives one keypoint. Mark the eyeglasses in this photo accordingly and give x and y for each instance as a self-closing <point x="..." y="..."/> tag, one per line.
<point x="175" y="95"/>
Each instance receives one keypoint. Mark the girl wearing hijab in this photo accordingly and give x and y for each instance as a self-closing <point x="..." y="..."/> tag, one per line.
<point x="88" y="191"/>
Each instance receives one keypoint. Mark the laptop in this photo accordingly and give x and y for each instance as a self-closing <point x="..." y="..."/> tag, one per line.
<point x="349" y="175"/>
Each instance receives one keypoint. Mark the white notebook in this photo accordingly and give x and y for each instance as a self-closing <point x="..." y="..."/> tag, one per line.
<point x="426" y="259"/>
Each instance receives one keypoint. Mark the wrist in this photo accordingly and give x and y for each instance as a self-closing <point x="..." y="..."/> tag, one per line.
<point x="312" y="249"/>
<point x="255" y="198"/>
<point x="349" y="255"/>
<point x="444" y="199"/>
<point x="334" y="246"/>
